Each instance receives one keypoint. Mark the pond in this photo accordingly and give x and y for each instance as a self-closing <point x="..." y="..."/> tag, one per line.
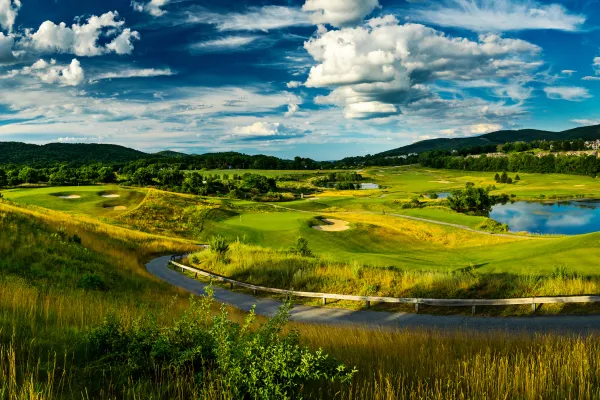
<point x="441" y="196"/>
<point x="562" y="218"/>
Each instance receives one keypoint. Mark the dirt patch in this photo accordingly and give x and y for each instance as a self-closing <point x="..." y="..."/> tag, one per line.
<point x="333" y="225"/>
<point x="69" y="197"/>
<point x="116" y="208"/>
<point x="445" y="182"/>
<point x="111" y="196"/>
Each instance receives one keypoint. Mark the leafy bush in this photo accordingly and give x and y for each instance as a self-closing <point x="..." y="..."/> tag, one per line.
<point x="92" y="282"/>
<point x="246" y="361"/>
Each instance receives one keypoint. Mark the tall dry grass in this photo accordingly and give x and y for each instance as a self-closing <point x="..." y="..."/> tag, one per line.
<point x="286" y="270"/>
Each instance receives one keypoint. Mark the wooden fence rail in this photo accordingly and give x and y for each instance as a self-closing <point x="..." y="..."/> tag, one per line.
<point x="533" y="301"/>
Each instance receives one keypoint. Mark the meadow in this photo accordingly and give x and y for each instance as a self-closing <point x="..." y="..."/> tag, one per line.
<point x="50" y="305"/>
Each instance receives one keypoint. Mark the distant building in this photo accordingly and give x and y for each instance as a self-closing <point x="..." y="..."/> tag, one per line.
<point x="593" y="145"/>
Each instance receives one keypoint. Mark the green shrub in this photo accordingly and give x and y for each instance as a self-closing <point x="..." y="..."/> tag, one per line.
<point x="92" y="282"/>
<point x="246" y="361"/>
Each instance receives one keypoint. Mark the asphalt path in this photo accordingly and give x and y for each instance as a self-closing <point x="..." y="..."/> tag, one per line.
<point x="374" y="319"/>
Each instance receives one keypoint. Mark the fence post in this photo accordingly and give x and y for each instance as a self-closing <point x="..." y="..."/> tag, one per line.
<point x="417" y="306"/>
<point x="230" y="286"/>
<point x="473" y="311"/>
<point x="255" y="291"/>
<point x="533" y="306"/>
<point x="368" y="304"/>
<point x="324" y="301"/>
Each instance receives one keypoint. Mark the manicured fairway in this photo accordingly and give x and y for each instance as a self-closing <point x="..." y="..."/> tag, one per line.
<point x="90" y="200"/>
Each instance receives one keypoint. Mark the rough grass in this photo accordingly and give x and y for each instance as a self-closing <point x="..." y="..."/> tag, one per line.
<point x="285" y="270"/>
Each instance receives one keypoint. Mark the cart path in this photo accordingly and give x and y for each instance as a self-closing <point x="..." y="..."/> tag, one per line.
<point x="374" y="319"/>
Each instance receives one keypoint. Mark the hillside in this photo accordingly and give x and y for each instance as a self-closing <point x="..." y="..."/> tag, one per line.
<point x="32" y="154"/>
<point x="499" y="137"/>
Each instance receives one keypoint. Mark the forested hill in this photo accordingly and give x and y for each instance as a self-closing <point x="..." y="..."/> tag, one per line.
<point x="495" y="138"/>
<point x="23" y="153"/>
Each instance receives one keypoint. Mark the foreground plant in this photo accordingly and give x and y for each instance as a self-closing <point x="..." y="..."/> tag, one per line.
<point x="240" y="359"/>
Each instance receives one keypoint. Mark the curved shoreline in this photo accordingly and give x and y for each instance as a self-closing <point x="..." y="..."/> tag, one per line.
<point x="568" y="324"/>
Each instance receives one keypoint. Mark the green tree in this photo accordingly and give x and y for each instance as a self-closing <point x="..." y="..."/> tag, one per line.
<point x="29" y="175"/>
<point x="471" y="200"/>
<point x="504" y="177"/>
<point x="497" y="178"/>
<point x="107" y="175"/>
<point x="517" y="178"/>
<point x="301" y="248"/>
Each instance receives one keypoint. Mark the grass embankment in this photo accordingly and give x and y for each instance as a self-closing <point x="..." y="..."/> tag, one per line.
<point x="287" y="270"/>
<point x="47" y="308"/>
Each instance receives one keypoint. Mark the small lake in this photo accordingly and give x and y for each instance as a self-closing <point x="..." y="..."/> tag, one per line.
<point x="559" y="218"/>
<point x="441" y="196"/>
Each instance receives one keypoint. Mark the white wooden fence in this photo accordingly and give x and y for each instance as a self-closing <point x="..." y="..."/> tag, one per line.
<point x="473" y="303"/>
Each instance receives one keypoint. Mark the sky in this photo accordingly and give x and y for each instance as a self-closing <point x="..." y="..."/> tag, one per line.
<point x="324" y="79"/>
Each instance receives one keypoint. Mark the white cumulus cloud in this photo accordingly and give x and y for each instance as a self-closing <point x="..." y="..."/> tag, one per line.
<point x="153" y="7"/>
<point x="569" y="93"/>
<point x="339" y="13"/>
<point x="82" y="39"/>
<point x="500" y="15"/>
<point x="9" y="10"/>
<point x="260" y="128"/>
<point x="375" y="68"/>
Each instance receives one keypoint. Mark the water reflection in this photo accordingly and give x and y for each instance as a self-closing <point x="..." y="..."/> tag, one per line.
<point x="565" y="218"/>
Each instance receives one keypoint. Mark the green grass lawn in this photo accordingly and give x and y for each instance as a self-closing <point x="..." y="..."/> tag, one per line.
<point x="90" y="201"/>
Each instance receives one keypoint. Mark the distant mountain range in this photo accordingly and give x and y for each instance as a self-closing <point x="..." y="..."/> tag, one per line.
<point x="23" y="153"/>
<point x="499" y="137"/>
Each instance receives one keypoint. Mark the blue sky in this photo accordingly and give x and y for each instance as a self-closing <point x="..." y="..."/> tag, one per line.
<point x="316" y="78"/>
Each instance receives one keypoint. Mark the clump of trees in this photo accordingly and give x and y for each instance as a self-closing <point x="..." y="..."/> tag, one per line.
<point x="339" y="180"/>
<point x="471" y="200"/>
<point x="504" y="178"/>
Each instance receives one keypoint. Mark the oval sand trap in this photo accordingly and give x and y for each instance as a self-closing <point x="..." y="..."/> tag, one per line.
<point x="111" y="196"/>
<point x="69" y="197"/>
<point x="333" y="225"/>
<point x="116" y="208"/>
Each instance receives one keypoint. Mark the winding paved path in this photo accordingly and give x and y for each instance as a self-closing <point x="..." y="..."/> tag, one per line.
<point x="337" y="316"/>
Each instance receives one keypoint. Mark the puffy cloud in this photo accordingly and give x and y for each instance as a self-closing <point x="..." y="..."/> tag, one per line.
<point x="134" y="73"/>
<point x="82" y="39"/>
<point x="49" y="72"/>
<point x="376" y="68"/>
<point x="293" y="84"/>
<point x="259" y="129"/>
<point x="293" y="108"/>
<point x="8" y="13"/>
<point x="568" y="72"/>
<point x="569" y="93"/>
<point x="153" y="7"/>
<point x="339" y="13"/>
<point x="480" y="129"/>
<point x="500" y="15"/>
<point x="223" y="44"/>
<point x="72" y="75"/>
<point x="264" y="19"/>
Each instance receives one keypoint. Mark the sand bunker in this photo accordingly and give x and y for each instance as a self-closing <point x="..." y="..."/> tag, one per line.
<point x="116" y="208"/>
<point x="111" y="196"/>
<point x="440" y="181"/>
<point x="70" y="196"/>
<point x="333" y="225"/>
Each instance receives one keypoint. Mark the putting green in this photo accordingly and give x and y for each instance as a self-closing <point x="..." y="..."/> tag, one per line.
<point x="89" y="200"/>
